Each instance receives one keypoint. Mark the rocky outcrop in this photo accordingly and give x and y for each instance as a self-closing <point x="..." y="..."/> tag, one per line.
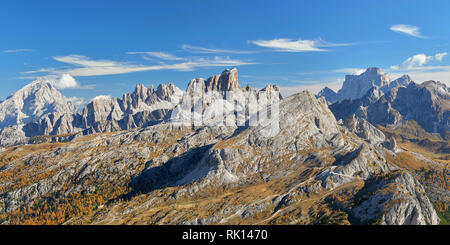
<point x="398" y="199"/>
<point x="364" y="129"/>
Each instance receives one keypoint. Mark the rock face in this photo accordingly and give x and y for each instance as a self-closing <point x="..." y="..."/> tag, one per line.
<point x="356" y="86"/>
<point x="226" y="81"/>
<point x="412" y="204"/>
<point x="428" y="104"/>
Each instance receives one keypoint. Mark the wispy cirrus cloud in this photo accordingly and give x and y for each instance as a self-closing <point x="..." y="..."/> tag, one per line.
<point x="407" y="29"/>
<point x="202" y="50"/>
<point x="10" y="51"/>
<point x="299" y="45"/>
<point x="159" y="55"/>
<point x="418" y="60"/>
<point x="85" y="66"/>
<point x="352" y="71"/>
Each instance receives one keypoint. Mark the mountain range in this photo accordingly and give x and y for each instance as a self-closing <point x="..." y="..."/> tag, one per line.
<point x="335" y="158"/>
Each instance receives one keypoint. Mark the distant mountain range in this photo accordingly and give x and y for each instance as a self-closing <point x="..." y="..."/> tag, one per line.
<point x="40" y="109"/>
<point x="327" y="163"/>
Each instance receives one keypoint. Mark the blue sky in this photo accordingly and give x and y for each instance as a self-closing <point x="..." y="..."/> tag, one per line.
<point x="94" y="48"/>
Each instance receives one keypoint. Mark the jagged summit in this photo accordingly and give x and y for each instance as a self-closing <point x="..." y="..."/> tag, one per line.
<point x="226" y="81"/>
<point x="374" y="71"/>
<point x="356" y="86"/>
<point x="33" y="101"/>
<point x="329" y="94"/>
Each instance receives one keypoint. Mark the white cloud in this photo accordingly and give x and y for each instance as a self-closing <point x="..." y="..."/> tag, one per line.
<point x="159" y="55"/>
<point x="290" y="45"/>
<point x="201" y="50"/>
<point x="102" y="97"/>
<point x="407" y="29"/>
<point x="88" y="67"/>
<point x="440" y="56"/>
<point x="441" y="74"/>
<point x="66" y="81"/>
<point x="419" y="71"/>
<point x="77" y="101"/>
<point x="60" y="80"/>
<point x="418" y="60"/>
<point x="352" y="71"/>
<point x="17" y="51"/>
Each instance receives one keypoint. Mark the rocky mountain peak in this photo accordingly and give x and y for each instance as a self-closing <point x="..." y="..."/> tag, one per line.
<point x="356" y="86"/>
<point x="438" y="88"/>
<point x="272" y="90"/>
<point x="165" y="91"/>
<point x="32" y="102"/>
<point x="142" y="91"/>
<point x="329" y="94"/>
<point x="374" y="71"/>
<point x="226" y="81"/>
